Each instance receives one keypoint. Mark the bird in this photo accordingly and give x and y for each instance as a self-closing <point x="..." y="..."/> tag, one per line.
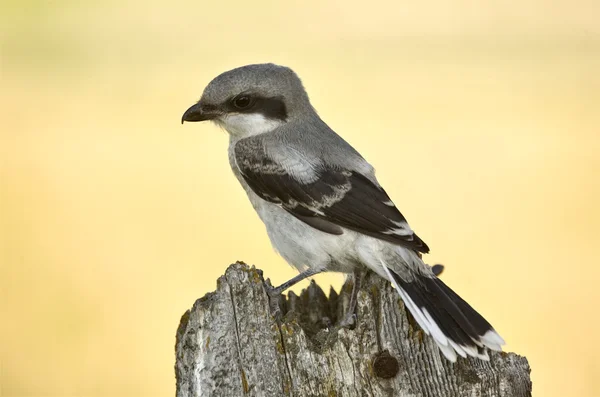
<point x="322" y="205"/>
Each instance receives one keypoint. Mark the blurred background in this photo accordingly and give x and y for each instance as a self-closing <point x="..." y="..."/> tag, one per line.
<point x="483" y="119"/>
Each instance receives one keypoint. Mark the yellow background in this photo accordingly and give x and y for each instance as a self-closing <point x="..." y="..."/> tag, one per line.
<point x="483" y="119"/>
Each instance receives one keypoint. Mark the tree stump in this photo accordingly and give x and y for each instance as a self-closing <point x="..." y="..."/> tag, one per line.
<point x="229" y="344"/>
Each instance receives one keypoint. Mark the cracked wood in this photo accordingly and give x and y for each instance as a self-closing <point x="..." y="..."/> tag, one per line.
<point x="229" y="344"/>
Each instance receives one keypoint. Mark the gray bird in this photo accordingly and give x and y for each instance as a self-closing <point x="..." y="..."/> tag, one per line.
<point x="322" y="205"/>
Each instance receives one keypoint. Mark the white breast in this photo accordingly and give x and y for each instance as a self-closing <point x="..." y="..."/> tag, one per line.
<point x="302" y="245"/>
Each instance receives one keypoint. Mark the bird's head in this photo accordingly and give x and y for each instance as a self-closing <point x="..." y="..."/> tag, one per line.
<point x="251" y="100"/>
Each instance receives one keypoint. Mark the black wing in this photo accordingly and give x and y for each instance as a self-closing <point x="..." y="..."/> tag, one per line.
<point x="338" y="197"/>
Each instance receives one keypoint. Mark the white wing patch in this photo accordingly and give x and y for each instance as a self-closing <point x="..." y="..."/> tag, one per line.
<point x="402" y="230"/>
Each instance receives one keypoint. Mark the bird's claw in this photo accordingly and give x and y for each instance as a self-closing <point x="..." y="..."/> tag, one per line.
<point x="274" y="295"/>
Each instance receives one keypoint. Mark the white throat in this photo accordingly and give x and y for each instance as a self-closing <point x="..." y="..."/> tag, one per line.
<point x="244" y="125"/>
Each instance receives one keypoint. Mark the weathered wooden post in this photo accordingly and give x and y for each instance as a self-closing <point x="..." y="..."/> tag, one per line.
<point x="229" y="344"/>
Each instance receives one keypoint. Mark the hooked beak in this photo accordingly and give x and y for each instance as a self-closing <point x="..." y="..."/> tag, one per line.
<point x="200" y="112"/>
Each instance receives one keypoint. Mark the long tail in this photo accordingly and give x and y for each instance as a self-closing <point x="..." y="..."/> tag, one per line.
<point x="454" y="325"/>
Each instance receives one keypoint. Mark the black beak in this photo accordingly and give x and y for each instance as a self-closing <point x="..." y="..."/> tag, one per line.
<point x="198" y="112"/>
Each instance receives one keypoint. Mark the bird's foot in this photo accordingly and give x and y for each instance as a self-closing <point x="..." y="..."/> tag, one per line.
<point x="274" y="296"/>
<point x="274" y="293"/>
<point x="349" y="320"/>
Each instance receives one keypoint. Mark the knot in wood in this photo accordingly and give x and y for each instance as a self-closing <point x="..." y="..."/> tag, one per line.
<point x="385" y="366"/>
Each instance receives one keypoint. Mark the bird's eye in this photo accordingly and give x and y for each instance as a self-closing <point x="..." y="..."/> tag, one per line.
<point x="242" y="102"/>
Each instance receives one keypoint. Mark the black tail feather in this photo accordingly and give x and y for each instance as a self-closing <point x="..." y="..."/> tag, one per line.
<point x="481" y="324"/>
<point x="454" y="317"/>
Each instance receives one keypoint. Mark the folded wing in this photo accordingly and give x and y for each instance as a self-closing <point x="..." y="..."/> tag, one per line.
<point x="333" y="197"/>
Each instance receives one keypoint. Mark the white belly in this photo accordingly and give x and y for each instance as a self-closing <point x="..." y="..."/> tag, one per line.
<point x="302" y="245"/>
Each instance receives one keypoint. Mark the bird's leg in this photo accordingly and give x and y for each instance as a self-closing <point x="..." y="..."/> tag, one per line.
<point x="293" y="281"/>
<point x="350" y="317"/>
<point x="274" y="292"/>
